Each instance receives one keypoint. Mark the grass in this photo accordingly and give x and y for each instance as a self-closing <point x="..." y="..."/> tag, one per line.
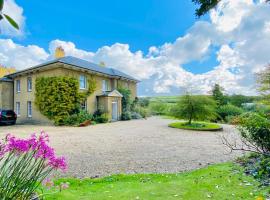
<point x="199" y="126"/>
<point x="217" y="182"/>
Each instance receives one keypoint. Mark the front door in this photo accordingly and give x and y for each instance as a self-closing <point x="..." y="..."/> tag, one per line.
<point x="114" y="111"/>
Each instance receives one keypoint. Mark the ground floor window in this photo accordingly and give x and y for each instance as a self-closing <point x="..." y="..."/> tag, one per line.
<point x="29" y="109"/>
<point x="18" y="108"/>
<point x="84" y="105"/>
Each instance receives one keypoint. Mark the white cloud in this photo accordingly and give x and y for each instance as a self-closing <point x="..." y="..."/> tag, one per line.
<point x="21" y="57"/>
<point x="16" y="13"/>
<point x="239" y="34"/>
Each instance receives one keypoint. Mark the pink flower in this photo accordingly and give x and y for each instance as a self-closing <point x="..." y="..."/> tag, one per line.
<point x="64" y="186"/>
<point x="58" y="163"/>
<point x="48" y="183"/>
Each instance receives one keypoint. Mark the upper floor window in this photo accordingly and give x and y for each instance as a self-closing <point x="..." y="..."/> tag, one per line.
<point x="105" y="85"/>
<point x="29" y="84"/>
<point x="82" y="82"/>
<point x="18" y="86"/>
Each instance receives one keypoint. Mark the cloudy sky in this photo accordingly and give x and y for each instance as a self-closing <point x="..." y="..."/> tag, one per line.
<point x="159" y="42"/>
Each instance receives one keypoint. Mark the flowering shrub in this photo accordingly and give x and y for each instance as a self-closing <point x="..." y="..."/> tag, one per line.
<point x="24" y="164"/>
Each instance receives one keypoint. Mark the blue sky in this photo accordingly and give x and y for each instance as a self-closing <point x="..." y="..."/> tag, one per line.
<point x="159" y="42"/>
<point x="92" y="24"/>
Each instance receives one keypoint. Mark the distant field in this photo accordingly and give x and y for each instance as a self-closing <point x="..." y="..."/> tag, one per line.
<point x="164" y="99"/>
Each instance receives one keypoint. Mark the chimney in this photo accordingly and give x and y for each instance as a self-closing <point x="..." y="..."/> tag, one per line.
<point x="59" y="52"/>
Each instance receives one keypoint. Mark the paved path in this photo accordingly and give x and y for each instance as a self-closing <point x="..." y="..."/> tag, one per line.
<point x="137" y="146"/>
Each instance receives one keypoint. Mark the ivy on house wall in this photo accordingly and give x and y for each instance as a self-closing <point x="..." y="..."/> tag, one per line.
<point x="59" y="97"/>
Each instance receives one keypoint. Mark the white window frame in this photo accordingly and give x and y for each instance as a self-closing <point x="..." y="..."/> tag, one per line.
<point x="18" y="86"/>
<point x="105" y="85"/>
<point x="18" y="109"/>
<point x="82" y="81"/>
<point x="29" y="84"/>
<point x="84" y="105"/>
<point x="29" y="109"/>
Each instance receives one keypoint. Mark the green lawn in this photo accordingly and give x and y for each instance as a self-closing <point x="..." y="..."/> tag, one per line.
<point x="200" y="126"/>
<point x="222" y="181"/>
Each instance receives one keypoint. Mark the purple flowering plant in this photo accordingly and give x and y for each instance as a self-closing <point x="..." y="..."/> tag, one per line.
<point x="25" y="163"/>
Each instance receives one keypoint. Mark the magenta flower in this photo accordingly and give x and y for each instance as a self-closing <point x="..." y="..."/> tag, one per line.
<point x="58" y="163"/>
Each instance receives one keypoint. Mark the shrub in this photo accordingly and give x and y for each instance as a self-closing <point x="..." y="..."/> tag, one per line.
<point x="59" y="97"/>
<point x="77" y="118"/>
<point x="135" y="115"/>
<point x="255" y="129"/>
<point x="126" y="115"/>
<point x="158" y="108"/>
<point x="100" y="116"/>
<point x="228" y="110"/>
<point x="144" y="112"/>
<point x="25" y="163"/>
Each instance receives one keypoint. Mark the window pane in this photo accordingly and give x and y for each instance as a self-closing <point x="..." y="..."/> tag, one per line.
<point x="82" y="82"/>
<point x="29" y="109"/>
<point x="29" y="84"/>
<point x="18" y="85"/>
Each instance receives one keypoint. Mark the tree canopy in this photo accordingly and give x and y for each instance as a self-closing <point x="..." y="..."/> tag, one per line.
<point x="206" y="5"/>
<point x="193" y="107"/>
<point x="217" y="93"/>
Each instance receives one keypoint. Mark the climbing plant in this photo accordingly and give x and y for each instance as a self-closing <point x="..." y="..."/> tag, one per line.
<point x="59" y="97"/>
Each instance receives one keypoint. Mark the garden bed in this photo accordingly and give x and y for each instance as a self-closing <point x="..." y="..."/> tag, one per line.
<point x="199" y="126"/>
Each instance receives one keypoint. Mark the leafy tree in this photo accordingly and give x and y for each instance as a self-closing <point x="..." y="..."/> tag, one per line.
<point x="7" y="17"/>
<point x="218" y="95"/>
<point x="206" y="5"/>
<point x="126" y="103"/>
<point x="192" y="107"/>
<point x="238" y="100"/>
<point x="6" y="70"/>
<point x="264" y="83"/>
<point x="228" y="111"/>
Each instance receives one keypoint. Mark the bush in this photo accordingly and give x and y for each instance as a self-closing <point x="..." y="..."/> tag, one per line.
<point x="78" y="118"/>
<point x="158" y="108"/>
<point x="135" y="115"/>
<point x="100" y="116"/>
<point x="25" y="163"/>
<point x="228" y="111"/>
<point x="59" y="97"/>
<point x="144" y="112"/>
<point x="255" y="129"/>
<point x="126" y="115"/>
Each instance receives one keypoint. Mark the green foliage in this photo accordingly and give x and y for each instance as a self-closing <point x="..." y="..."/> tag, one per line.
<point x="228" y="110"/>
<point x="144" y="102"/>
<point x="126" y="100"/>
<point x="192" y="107"/>
<point x="59" y="97"/>
<point x="199" y="126"/>
<point x="255" y="129"/>
<point x="218" y="95"/>
<point x="158" y="108"/>
<point x="8" y="18"/>
<point x="126" y="115"/>
<point x="205" y="6"/>
<point x="216" y="182"/>
<point x="239" y="100"/>
<point x="257" y="166"/>
<point x="100" y="116"/>
<point x="135" y="115"/>
<point x="264" y="84"/>
<point x="77" y="118"/>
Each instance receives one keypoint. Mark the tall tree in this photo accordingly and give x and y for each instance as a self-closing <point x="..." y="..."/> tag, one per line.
<point x="7" y="17"/>
<point x="206" y="5"/>
<point x="263" y="79"/>
<point x="218" y="96"/>
<point x="191" y="107"/>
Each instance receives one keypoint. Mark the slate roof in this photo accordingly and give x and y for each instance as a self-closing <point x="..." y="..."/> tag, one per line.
<point x="77" y="62"/>
<point x="5" y="79"/>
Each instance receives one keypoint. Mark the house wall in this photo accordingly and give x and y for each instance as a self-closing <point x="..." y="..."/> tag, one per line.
<point x="24" y="96"/>
<point x="131" y="85"/>
<point x="6" y="95"/>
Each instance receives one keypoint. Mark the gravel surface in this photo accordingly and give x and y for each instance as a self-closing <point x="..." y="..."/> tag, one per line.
<point x="137" y="146"/>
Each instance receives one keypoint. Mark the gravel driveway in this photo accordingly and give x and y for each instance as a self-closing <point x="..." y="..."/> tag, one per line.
<point x="137" y="146"/>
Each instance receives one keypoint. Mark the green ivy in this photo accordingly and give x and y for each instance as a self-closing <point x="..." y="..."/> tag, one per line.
<point x="59" y="97"/>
